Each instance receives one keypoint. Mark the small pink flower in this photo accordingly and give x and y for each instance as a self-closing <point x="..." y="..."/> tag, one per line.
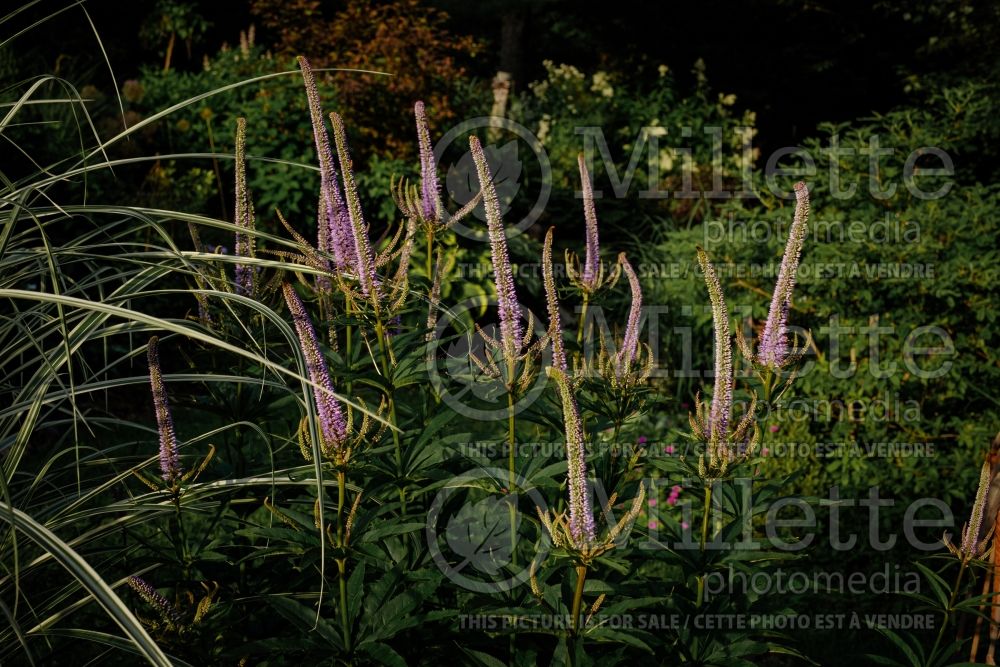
<point x="652" y="524"/>
<point x="765" y="451"/>
<point x="669" y="449"/>
<point x="676" y="488"/>
<point x="685" y="525"/>
<point x="672" y="500"/>
<point x="642" y="440"/>
<point x="685" y="405"/>
<point x="652" y="502"/>
<point x="775" y="428"/>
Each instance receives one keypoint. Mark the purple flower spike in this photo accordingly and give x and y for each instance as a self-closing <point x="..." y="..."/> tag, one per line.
<point x="503" y="276"/>
<point x="774" y="339"/>
<point x="364" y="261"/>
<point x="333" y="428"/>
<point x="552" y="301"/>
<point x="170" y="461"/>
<point x="630" y="343"/>
<point x="722" y="395"/>
<point x="592" y="263"/>
<point x="334" y="227"/>
<point x="581" y="515"/>
<point x="430" y="189"/>
<point x="151" y="597"/>
<point x="244" y="214"/>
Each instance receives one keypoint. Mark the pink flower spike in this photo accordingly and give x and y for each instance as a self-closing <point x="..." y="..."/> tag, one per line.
<point x="773" y="347"/>
<point x="170" y="461"/>
<point x="592" y="262"/>
<point x="430" y="188"/>
<point x="630" y="343"/>
<point x="503" y="276"/>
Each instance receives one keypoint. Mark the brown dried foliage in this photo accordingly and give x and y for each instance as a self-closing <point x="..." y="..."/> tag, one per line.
<point x="401" y="37"/>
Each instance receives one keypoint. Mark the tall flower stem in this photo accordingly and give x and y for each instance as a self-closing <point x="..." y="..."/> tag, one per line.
<point x="581" y="578"/>
<point x="511" y="440"/>
<point x="583" y="321"/>
<point x="704" y="539"/>
<point x="767" y="383"/>
<point x="344" y="621"/>
<point x="949" y="612"/>
<point x="348" y="342"/>
<point x="512" y="473"/>
<point x="386" y="353"/>
<point x="341" y="492"/>
<point x="342" y="562"/>
<point x="399" y="451"/>
<point x="430" y="256"/>
<point x="704" y="518"/>
<point x="181" y="536"/>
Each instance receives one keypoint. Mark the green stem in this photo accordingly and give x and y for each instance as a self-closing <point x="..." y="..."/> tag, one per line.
<point x="430" y="256"/>
<point x="349" y="345"/>
<point x="511" y="442"/>
<point x="341" y="483"/>
<point x="181" y="537"/>
<point x="386" y="353"/>
<point x="583" y="322"/>
<point x="581" y="578"/>
<point x="704" y="538"/>
<point x="342" y="561"/>
<point x="768" y="386"/>
<point x="399" y="452"/>
<point x="512" y="474"/>
<point x="951" y="606"/>
<point x="344" y="622"/>
<point x="704" y="518"/>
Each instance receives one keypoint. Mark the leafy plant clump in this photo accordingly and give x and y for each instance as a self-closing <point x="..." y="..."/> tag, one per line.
<point x="302" y="437"/>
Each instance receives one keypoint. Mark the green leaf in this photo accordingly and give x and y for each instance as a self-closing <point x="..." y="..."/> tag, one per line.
<point x="89" y="579"/>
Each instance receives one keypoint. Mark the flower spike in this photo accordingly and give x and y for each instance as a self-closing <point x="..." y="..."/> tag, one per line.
<point x="592" y="262"/>
<point x="245" y="245"/>
<point x="333" y="224"/>
<point x="333" y="426"/>
<point x="630" y="343"/>
<point x="581" y="515"/>
<point x="773" y="349"/>
<point x="589" y="277"/>
<point x="552" y="301"/>
<point x="972" y="546"/>
<point x="510" y="324"/>
<point x="364" y="260"/>
<point x="430" y="188"/>
<point x="168" y="612"/>
<point x="170" y="462"/>
<point x="722" y="396"/>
